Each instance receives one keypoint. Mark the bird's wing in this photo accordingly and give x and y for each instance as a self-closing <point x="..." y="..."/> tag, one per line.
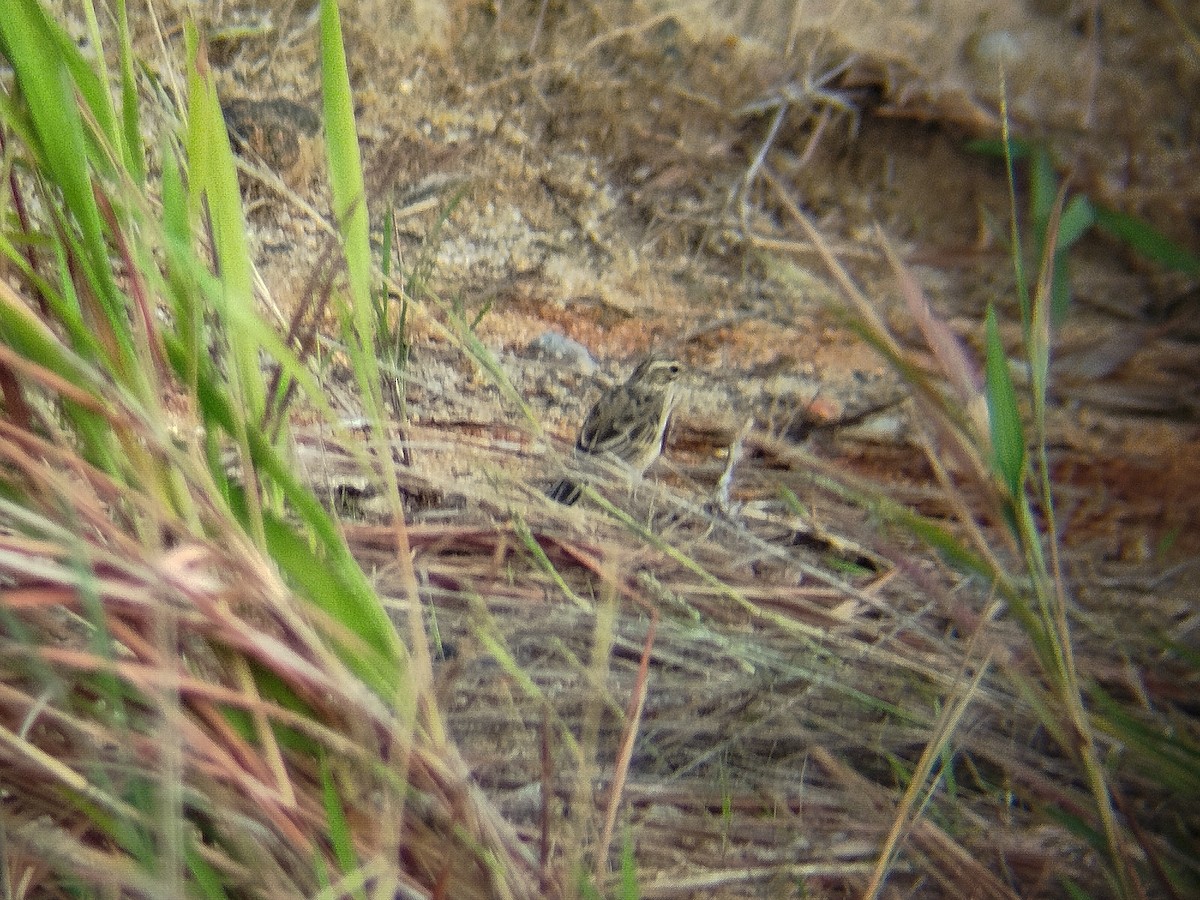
<point x="620" y="420"/>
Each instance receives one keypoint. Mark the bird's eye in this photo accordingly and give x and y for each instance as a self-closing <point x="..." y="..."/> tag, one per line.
<point x="673" y="368"/>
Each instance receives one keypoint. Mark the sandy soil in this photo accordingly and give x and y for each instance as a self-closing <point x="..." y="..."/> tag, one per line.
<point x="605" y="151"/>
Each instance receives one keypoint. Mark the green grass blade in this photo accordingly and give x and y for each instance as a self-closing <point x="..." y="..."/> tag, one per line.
<point x="340" y="836"/>
<point x="1170" y="758"/>
<point x="390" y="347"/>
<point x="1013" y="149"/>
<point x="206" y="878"/>
<point x="33" y="45"/>
<point x="951" y="548"/>
<point x="350" y="209"/>
<point x="1060" y="288"/>
<point x="349" y="198"/>
<point x="135" y="157"/>
<point x="63" y="310"/>
<point x="328" y="576"/>
<point x="1008" y="435"/>
<point x="345" y="165"/>
<point x="1012" y="152"/>
<point x="92" y="86"/>
<point x="23" y="331"/>
<point x="94" y="83"/>
<point x="214" y="187"/>
<point x="628" y="889"/>
<point x="527" y="538"/>
<point x="1076" y="219"/>
<point x="1147" y="241"/>
<point x="326" y="580"/>
<point x="1043" y="191"/>
<point x="182" y="268"/>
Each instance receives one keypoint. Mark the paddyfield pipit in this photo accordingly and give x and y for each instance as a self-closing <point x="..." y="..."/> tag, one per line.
<point x="628" y="425"/>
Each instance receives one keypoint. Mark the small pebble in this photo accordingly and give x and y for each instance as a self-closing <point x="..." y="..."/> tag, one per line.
<point x="551" y="343"/>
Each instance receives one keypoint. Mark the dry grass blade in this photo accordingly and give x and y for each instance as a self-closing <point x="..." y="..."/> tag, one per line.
<point x="97" y="623"/>
<point x="633" y="719"/>
<point x="989" y="447"/>
<point x="199" y="686"/>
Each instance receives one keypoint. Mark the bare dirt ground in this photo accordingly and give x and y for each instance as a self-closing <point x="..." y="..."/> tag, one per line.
<point x="605" y="150"/>
<point x="605" y="153"/>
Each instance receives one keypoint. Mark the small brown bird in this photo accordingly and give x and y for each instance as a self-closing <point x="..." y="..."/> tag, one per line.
<point x="628" y="425"/>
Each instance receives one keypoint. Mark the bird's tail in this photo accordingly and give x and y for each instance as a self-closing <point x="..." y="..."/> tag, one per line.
<point x="565" y="492"/>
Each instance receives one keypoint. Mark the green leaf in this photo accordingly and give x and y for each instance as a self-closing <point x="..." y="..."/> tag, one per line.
<point x="1043" y="191"/>
<point x="1008" y="435"/>
<point x="1060" y="288"/>
<point x="586" y="889"/>
<point x="318" y="564"/>
<point x="320" y="568"/>
<point x="1147" y="241"/>
<point x="1074" y="222"/>
<point x="1017" y="148"/>
<point x="319" y="579"/>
